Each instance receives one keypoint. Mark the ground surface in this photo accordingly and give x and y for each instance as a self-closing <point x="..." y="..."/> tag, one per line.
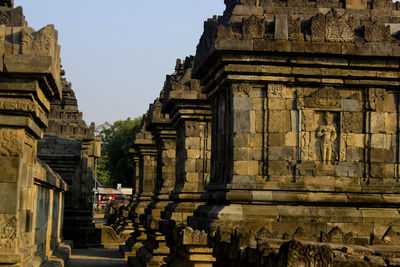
<point x="104" y="257"/>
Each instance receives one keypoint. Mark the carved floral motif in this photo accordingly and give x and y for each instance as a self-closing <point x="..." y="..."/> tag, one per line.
<point x="253" y="27"/>
<point x="193" y="237"/>
<point x="8" y="232"/>
<point x="275" y="90"/>
<point x="294" y="29"/>
<point x="376" y="32"/>
<point x="42" y="42"/>
<point x="375" y="98"/>
<point x="326" y="98"/>
<point x="332" y="27"/>
<point x="10" y="145"/>
<point x="22" y="105"/>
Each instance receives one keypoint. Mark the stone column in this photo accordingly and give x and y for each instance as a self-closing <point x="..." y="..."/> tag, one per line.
<point x="30" y="78"/>
<point x="146" y="152"/>
<point x="155" y="250"/>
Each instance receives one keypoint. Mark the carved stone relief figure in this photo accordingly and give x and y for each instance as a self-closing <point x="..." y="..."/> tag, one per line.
<point x="327" y="134"/>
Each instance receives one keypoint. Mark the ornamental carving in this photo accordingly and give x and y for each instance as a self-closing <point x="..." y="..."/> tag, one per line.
<point x="10" y="145"/>
<point x="318" y="28"/>
<point x="324" y="98"/>
<point x="332" y="27"/>
<point x="337" y="236"/>
<point x="376" y="98"/>
<point x="376" y="32"/>
<point x="8" y="232"/>
<point x="338" y="28"/>
<point x="194" y="237"/>
<point x="253" y="27"/>
<point x="42" y="42"/>
<point x="294" y="29"/>
<point x="22" y="105"/>
<point x="225" y="32"/>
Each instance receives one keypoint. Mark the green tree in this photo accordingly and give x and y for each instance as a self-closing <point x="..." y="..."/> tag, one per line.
<point x="114" y="167"/>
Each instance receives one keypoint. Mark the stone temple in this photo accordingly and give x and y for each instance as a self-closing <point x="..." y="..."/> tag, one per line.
<point x="277" y="144"/>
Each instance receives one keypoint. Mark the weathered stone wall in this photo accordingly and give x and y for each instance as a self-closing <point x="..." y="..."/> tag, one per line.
<point x="31" y="195"/>
<point x="49" y="196"/>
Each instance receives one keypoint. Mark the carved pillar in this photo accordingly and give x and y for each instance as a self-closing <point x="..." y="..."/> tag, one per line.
<point x="146" y="154"/>
<point x="155" y="250"/>
<point x="30" y="78"/>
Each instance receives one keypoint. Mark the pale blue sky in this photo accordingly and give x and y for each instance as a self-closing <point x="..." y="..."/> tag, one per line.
<point x="117" y="53"/>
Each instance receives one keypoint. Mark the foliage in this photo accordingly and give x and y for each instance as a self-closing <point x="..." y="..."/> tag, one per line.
<point x="114" y="167"/>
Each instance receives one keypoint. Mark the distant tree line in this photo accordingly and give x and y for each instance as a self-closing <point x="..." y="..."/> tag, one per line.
<point x="114" y="167"/>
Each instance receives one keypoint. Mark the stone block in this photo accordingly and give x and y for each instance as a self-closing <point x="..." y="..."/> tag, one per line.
<point x="256" y="140"/>
<point x="8" y="198"/>
<point x="390" y="123"/>
<point x="241" y="122"/>
<point x="10" y="169"/>
<point x="276" y="139"/>
<point x="242" y="153"/>
<point x="390" y="103"/>
<point x="378" y="140"/>
<point x="294" y="118"/>
<point x="355" y="140"/>
<point x="353" y="154"/>
<point x="275" y="153"/>
<point x="278" y="168"/>
<point x="242" y="103"/>
<point x="353" y="122"/>
<point x="376" y="170"/>
<point x="377" y="155"/>
<point x="245" y="167"/>
<point x="260" y="123"/>
<point x="279" y="121"/>
<point x="281" y="27"/>
<point x="241" y="140"/>
<point x="288" y="153"/>
<point x="379" y="215"/>
<point x="276" y="103"/>
<point x="192" y="143"/>
<point x="291" y="139"/>
<point x="244" y="180"/>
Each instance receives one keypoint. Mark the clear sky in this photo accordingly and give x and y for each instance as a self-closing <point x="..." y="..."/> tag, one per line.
<point x="117" y="53"/>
